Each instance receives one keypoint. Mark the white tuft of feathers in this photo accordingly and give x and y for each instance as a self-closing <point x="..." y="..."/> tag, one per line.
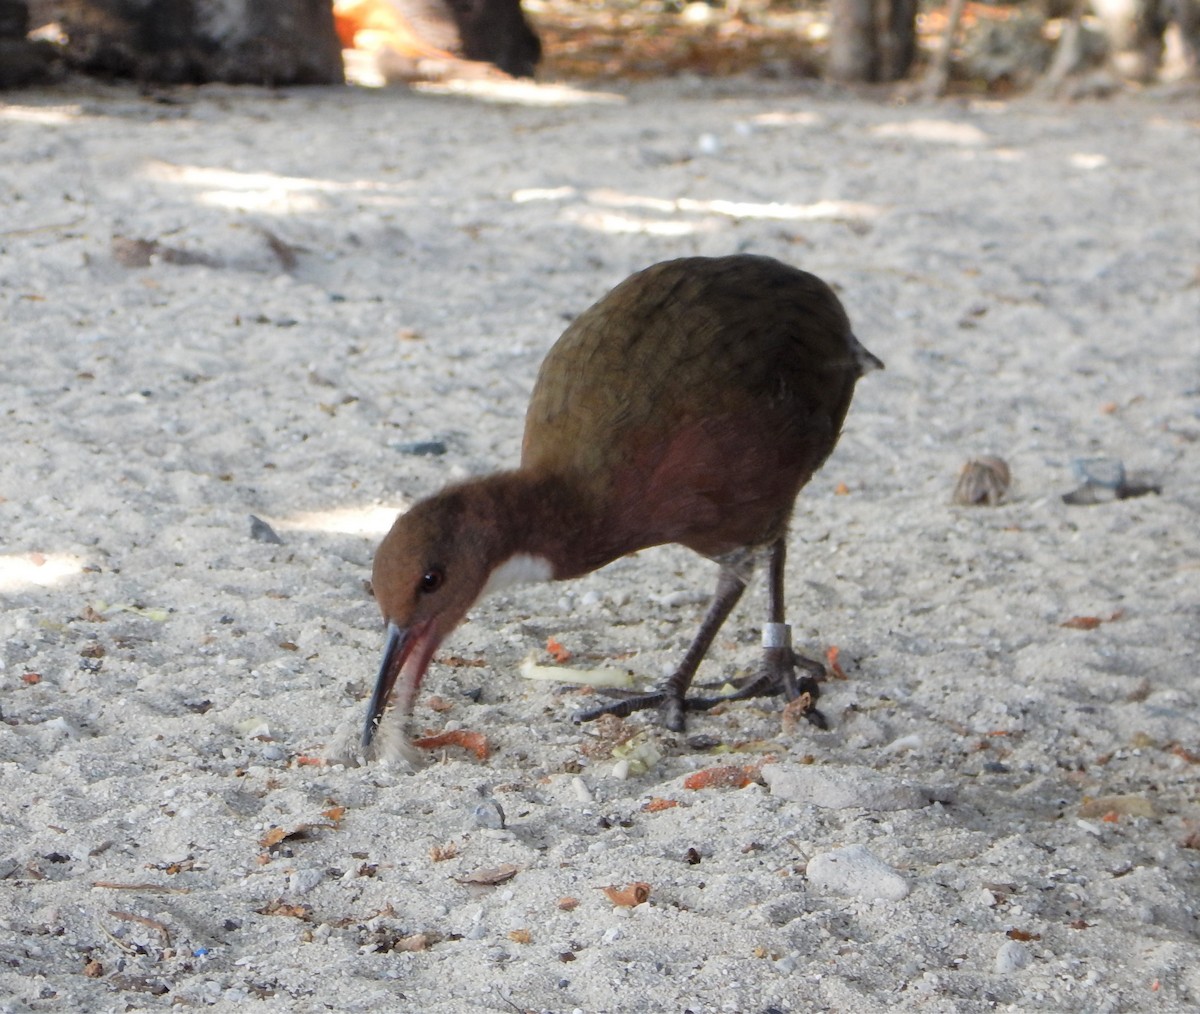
<point x="390" y="747"/>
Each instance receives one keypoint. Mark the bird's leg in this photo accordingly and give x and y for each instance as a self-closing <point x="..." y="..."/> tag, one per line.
<point x="778" y="673"/>
<point x="671" y="696"/>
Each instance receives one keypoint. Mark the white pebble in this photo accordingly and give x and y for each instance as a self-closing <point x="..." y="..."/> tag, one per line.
<point x="303" y="881"/>
<point x="62" y="725"/>
<point x="620" y="770"/>
<point x="849" y="787"/>
<point x="912" y="742"/>
<point x="854" y="872"/>
<point x="488" y="814"/>
<point x="582" y="792"/>
<point x="1012" y="956"/>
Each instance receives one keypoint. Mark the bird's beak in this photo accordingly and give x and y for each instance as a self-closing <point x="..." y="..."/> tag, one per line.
<point x="405" y="658"/>
<point x="399" y="644"/>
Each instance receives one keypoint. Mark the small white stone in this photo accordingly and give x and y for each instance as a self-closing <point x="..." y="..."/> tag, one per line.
<point x="855" y="872"/>
<point x="1012" y="956"/>
<point x="303" y="881"/>
<point x="582" y="792"/>
<point x="620" y="770"/>
<point x="849" y="787"/>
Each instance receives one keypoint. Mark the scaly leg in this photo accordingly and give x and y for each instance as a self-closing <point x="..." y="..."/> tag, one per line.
<point x="671" y="696"/>
<point x="778" y="673"/>
<point x="777" y="676"/>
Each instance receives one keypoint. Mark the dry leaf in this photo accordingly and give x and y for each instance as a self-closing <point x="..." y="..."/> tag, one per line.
<point x="520" y="936"/>
<point x="557" y="652"/>
<point x="458" y="662"/>
<point x="831" y="663"/>
<point x="32" y="678"/>
<point x="440" y="853"/>
<point x="490" y="876"/>
<point x="658" y="803"/>
<point x="476" y="742"/>
<point x="1185" y="754"/>
<point x="281" y="907"/>
<point x="795" y="712"/>
<point x="724" y="776"/>
<point x="629" y="896"/>
<point x="568" y="904"/>
<point x="1023" y="935"/>
<point x="413" y="942"/>
<point x="93" y="969"/>
<point x="273" y="837"/>
<point x="298" y="833"/>
<point x="335" y="814"/>
<point x="1082" y="623"/>
<point x="1117" y="806"/>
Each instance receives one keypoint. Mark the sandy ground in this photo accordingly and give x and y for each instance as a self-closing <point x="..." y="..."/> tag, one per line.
<point x="328" y="278"/>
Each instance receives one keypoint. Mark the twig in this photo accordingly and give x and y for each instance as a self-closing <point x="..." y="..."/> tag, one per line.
<point x="152" y="888"/>
<point x="145" y="921"/>
<point x="938" y="75"/>
<point x="1067" y="55"/>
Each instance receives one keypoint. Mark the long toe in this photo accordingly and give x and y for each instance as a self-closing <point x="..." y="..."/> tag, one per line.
<point x="626" y="704"/>
<point x="671" y="705"/>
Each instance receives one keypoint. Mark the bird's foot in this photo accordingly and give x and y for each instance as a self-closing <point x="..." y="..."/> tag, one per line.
<point x="778" y="676"/>
<point x="627" y="702"/>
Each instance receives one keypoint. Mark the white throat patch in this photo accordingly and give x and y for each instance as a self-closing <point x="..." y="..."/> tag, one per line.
<point x="521" y="568"/>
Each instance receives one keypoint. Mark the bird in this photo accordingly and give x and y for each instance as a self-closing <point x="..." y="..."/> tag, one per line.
<point x="689" y="405"/>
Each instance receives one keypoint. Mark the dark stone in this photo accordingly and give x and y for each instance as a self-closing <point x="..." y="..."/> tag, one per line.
<point x="260" y="531"/>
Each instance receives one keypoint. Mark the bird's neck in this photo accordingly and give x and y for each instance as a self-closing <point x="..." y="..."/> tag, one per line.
<point x="536" y="526"/>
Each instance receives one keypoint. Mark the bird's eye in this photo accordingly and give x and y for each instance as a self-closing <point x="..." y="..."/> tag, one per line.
<point x="431" y="580"/>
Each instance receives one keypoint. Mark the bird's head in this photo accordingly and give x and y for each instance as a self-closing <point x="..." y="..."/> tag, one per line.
<point x="428" y="571"/>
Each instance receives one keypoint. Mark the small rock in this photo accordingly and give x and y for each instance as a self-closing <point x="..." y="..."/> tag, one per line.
<point x="303" y="881"/>
<point x="844" y="788"/>
<point x="422" y="448"/>
<point x="1012" y="956"/>
<point x="488" y="814"/>
<point x="260" y="531"/>
<point x="582" y="792"/>
<point x="854" y="872"/>
<point x="983" y="481"/>
<point x="1107" y="472"/>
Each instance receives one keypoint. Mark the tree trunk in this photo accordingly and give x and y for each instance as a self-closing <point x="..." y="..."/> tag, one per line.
<point x="897" y="37"/>
<point x="871" y="40"/>
<point x="938" y="74"/>
<point x="853" y="44"/>
<point x="271" y="42"/>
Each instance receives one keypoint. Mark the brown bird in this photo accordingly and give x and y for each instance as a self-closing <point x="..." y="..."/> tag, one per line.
<point x="689" y="405"/>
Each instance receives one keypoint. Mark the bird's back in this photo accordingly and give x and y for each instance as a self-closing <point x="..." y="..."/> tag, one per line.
<point x="704" y="386"/>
